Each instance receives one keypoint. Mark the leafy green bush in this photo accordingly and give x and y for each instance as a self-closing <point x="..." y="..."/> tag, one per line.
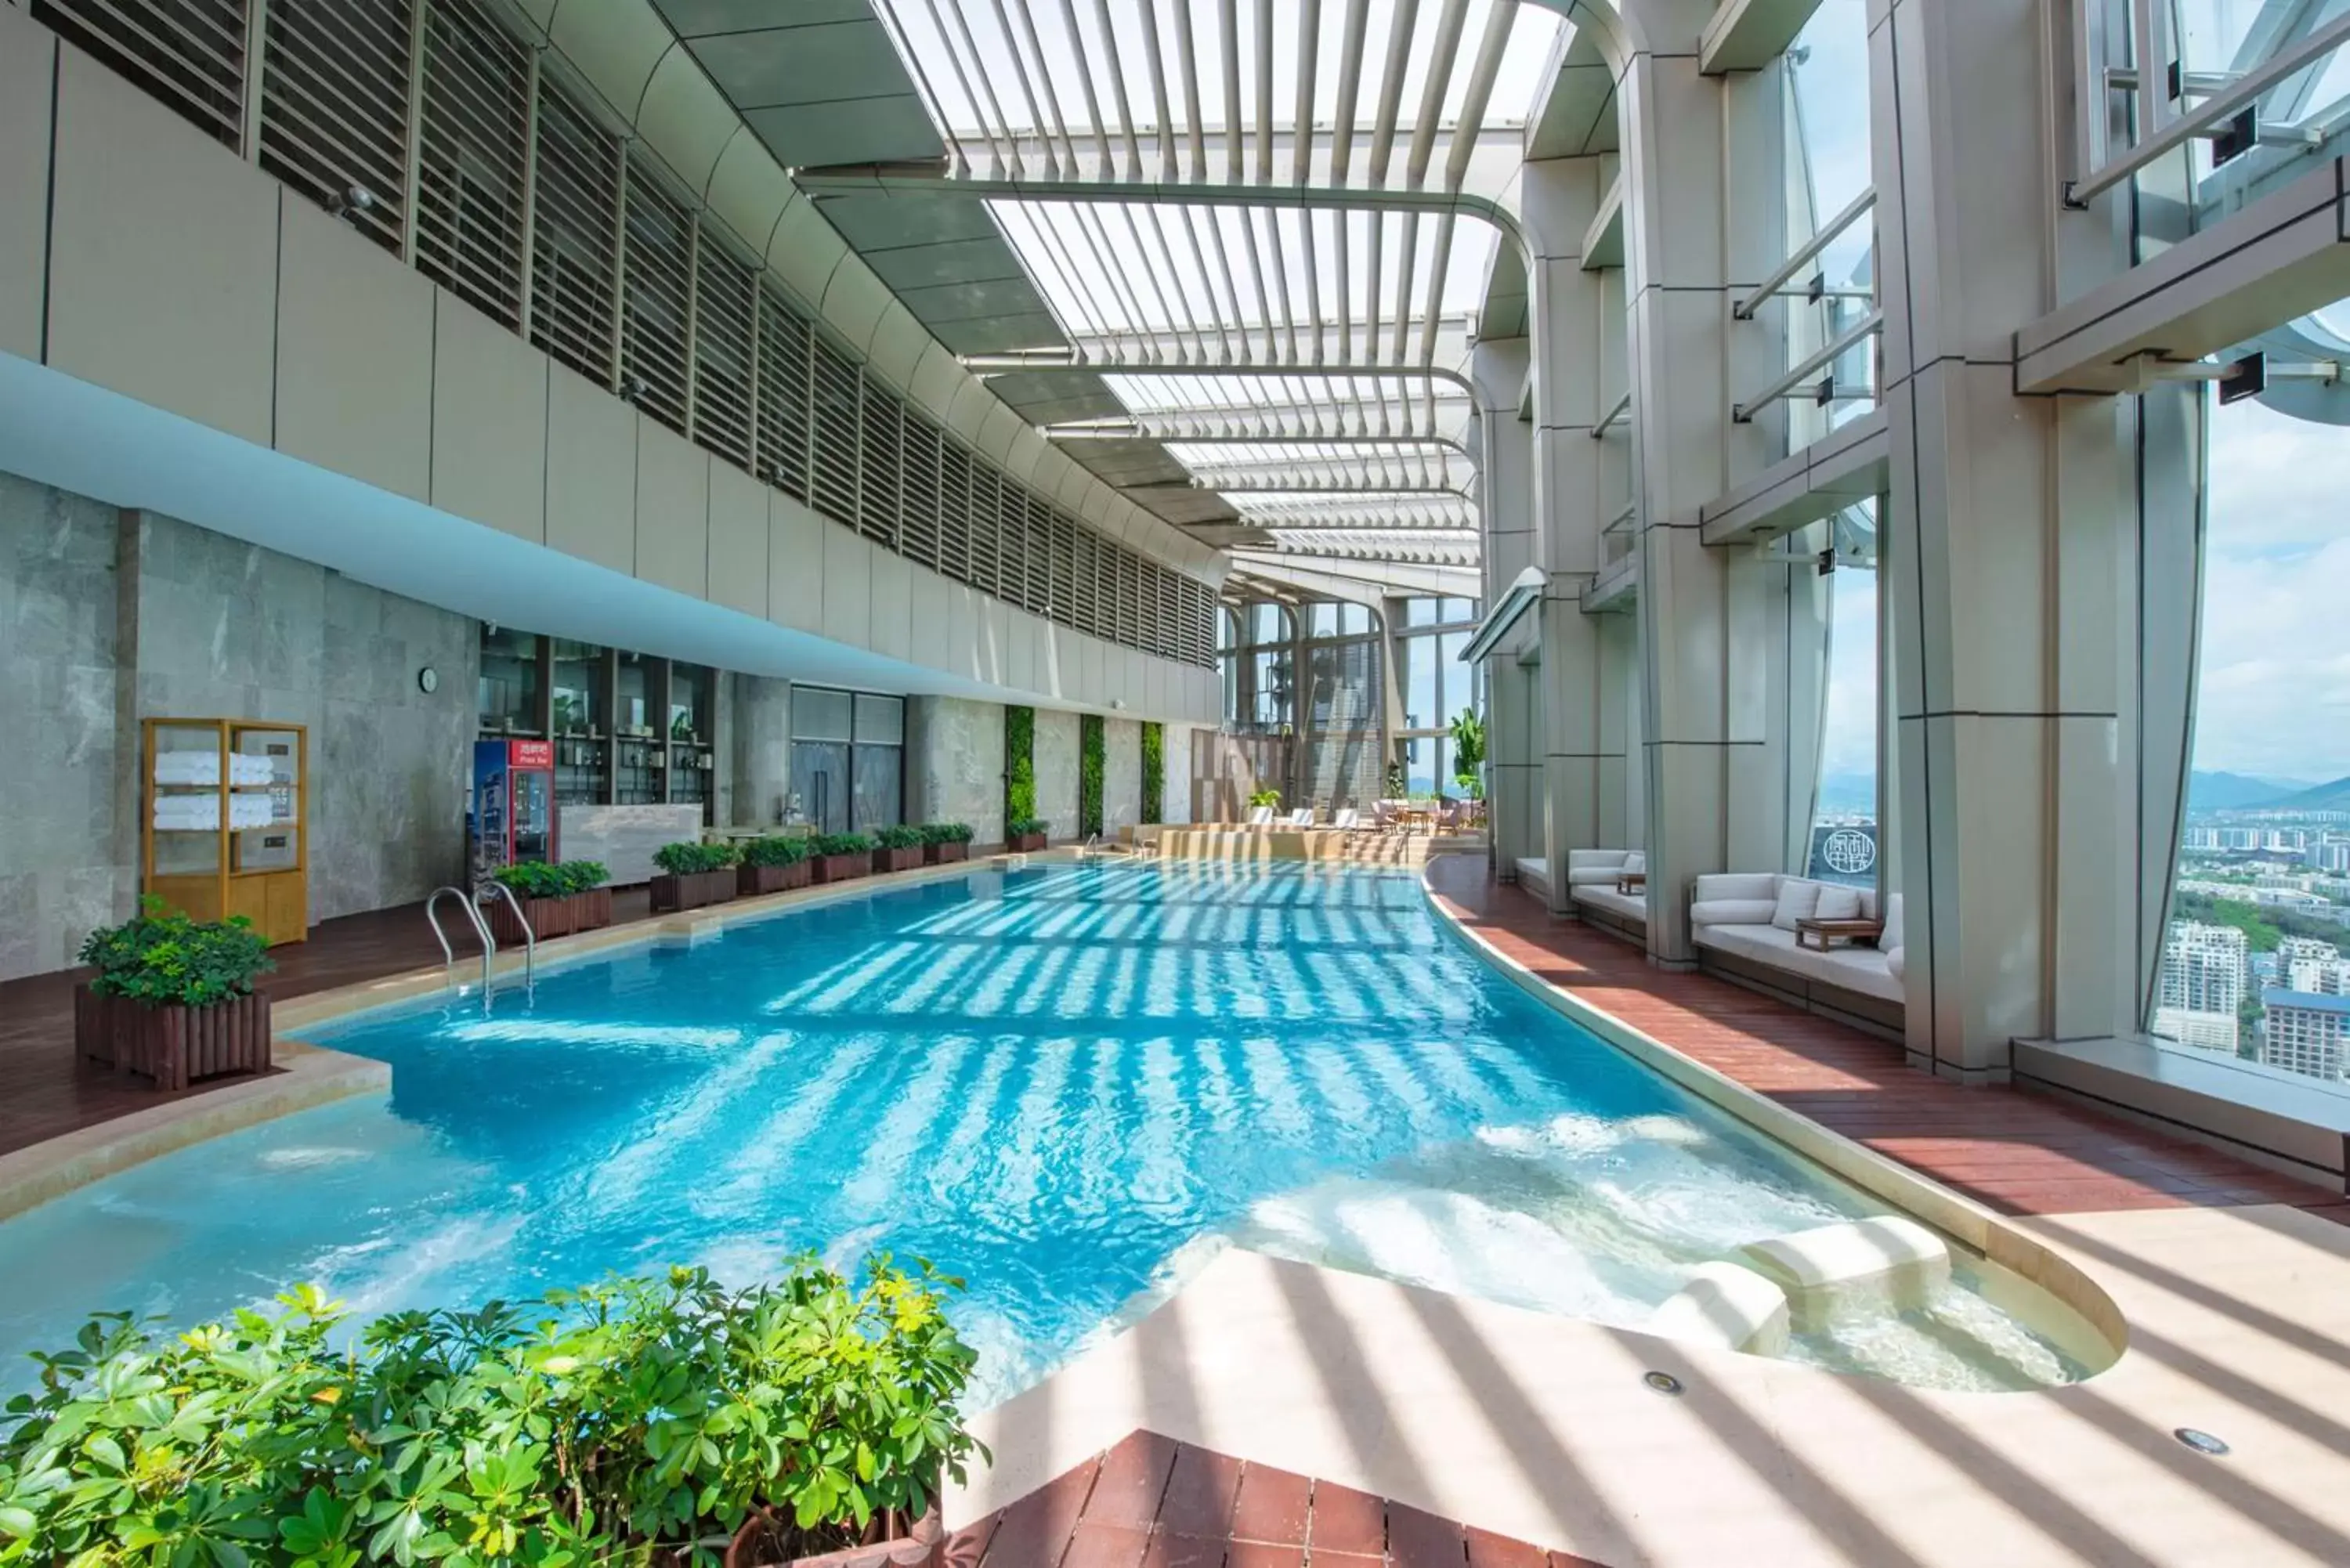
<point x="842" y="844"/>
<point x="899" y="837"/>
<point x="584" y="1428"/>
<point x="946" y="833"/>
<point x="538" y="879"/>
<point x="685" y="859"/>
<point x="1271" y="797"/>
<point x="164" y="959"/>
<point x="1154" y="770"/>
<point x="776" y="851"/>
<point x="1019" y="762"/>
<point x="1020" y="826"/>
<point x="1092" y="745"/>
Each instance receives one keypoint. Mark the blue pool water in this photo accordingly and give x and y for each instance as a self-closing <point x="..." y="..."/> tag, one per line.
<point x="1055" y="1083"/>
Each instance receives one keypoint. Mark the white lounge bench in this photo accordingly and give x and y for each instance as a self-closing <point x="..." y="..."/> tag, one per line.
<point x="1591" y="878"/>
<point x="1534" y="876"/>
<point x="1743" y="926"/>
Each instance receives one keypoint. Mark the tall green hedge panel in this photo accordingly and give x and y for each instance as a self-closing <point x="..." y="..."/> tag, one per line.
<point x="1090" y="749"/>
<point x="1154" y="769"/>
<point x="1019" y="763"/>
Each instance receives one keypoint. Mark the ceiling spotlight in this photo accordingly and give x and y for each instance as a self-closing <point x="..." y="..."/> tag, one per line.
<point x="354" y="200"/>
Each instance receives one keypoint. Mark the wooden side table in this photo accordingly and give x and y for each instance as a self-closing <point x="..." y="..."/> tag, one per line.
<point x="1632" y="882"/>
<point x="1822" y="935"/>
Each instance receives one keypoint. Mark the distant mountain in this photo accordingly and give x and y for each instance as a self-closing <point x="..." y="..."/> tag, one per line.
<point x="2237" y="792"/>
<point x="2335" y="796"/>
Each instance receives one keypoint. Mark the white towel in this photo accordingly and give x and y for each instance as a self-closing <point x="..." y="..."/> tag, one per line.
<point x="244" y="770"/>
<point x="187" y="767"/>
<point x="187" y="812"/>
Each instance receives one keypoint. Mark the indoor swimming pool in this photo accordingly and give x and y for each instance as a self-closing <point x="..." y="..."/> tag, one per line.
<point x="1068" y="1084"/>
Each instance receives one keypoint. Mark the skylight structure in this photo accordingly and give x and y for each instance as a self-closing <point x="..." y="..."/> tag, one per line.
<point x="1262" y="227"/>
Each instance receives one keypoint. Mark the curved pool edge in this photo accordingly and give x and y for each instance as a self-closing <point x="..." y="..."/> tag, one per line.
<point x="310" y="1075"/>
<point x="1980" y="1229"/>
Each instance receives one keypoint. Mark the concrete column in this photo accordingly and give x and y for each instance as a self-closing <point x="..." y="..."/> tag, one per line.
<point x="2026" y="717"/>
<point x="1514" y="761"/>
<point x="761" y="748"/>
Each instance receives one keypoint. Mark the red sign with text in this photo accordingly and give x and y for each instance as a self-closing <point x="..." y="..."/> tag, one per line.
<point x="530" y="754"/>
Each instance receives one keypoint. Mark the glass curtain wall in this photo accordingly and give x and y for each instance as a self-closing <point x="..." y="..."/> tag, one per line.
<point x="1844" y="839"/>
<point x="2256" y="957"/>
<point x="1436" y="687"/>
<point x="1827" y="162"/>
<point x="1344" y="694"/>
<point x="1257" y="666"/>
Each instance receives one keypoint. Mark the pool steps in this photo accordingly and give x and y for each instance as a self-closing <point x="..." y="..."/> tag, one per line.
<point x="1804" y="1278"/>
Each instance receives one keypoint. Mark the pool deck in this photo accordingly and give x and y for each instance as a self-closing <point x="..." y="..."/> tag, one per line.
<point x="2013" y="1151"/>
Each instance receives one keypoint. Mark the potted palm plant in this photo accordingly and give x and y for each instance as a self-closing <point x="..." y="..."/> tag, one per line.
<point x="1025" y="833"/>
<point x="945" y="841"/>
<point x="693" y="874"/>
<point x="897" y="848"/>
<point x="837" y="856"/>
<point x="173" y="998"/>
<point x="775" y="864"/>
<point x="559" y="901"/>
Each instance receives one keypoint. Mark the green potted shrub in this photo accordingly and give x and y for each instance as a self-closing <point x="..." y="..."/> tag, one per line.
<point x="692" y="875"/>
<point x="1026" y="833"/>
<point x="837" y="856"/>
<point x="945" y="841"/>
<point x="775" y="864"/>
<point x="173" y="998"/>
<point x="557" y="899"/>
<point x="897" y="848"/>
<point x="667" y="1420"/>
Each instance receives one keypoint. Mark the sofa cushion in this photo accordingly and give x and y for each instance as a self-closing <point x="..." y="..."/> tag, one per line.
<point x="1731" y="911"/>
<point x="1863" y="970"/>
<point x="1892" y="936"/>
<point x="1623" y="906"/>
<point x="1896" y="960"/>
<point x="1798" y="899"/>
<point x="1715" y="885"/>
<point x="1837" y="904"/>
<point x="1635" y="862"/>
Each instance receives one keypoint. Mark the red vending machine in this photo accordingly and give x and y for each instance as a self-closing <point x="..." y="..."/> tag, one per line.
<point x="512" y="818"/>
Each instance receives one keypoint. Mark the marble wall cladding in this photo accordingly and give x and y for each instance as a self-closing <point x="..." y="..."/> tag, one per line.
<point x="227" y="629"/>
<point x="63" y="868"/>
<point x="954" y="763"/>
<point x="1175" y="804"/>
<point x="761" y="748"/>
<point x="1121" y="774"/>
<point x="1057" y="771"/>
<point x="624" y="837"/>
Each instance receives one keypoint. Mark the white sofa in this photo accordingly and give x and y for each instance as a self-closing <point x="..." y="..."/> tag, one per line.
<point x="1591" y="875"/>
<point x="1731" y="918"/>
<point x="1534" y="876"/>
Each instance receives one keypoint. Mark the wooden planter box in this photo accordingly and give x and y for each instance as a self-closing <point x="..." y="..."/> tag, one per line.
<point x="923" y="1546"/>
<point x="897" y="859"/>
<point x="173" y="1045"/>
<point x="841" y="868"/>
<point x="1027" y="843"/>
<point x="567" y="915"/>
<point x="693" y="891"/>
<point x="754" y="881"/>
<point x="940" y="854"/>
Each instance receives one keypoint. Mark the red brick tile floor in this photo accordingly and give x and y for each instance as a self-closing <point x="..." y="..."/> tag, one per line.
<point x="2016" y="1152"/>
<point x="45" y="1091"/>
<point x="1153" y="1502"/>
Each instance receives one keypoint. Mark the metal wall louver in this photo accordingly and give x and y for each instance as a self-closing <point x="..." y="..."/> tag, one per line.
<point x="725" y="305"/>
<point x="189" y="54"/>
<point x="834" y="387"/>
<point x="575" y="239"/>
<point x="655" y="298"/>
<point x="334" y="107"/>
<point x="782" y="396"/>
<point x="439" y="135"/>
<point x="474" y="151"/>
<point x="918" y="492"/>
<point x="878" y="420"/>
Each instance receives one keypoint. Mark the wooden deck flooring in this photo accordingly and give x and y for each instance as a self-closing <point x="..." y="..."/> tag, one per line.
<point x="2019" y="1153"/>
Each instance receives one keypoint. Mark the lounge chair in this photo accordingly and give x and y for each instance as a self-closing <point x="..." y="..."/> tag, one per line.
<point x="1260" y="816"/>
<point x="1302" y="817"/>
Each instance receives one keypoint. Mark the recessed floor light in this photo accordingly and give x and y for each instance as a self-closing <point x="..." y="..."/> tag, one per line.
<point x="1665" y="1382"/>
<point x="2201" y="1442"/>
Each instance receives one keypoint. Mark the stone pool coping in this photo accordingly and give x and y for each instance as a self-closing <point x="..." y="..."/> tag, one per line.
<point x="311" y="1075"/>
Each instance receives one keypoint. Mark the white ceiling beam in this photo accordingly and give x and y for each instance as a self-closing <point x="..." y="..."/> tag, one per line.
<point x="1400" y="25"/>
<point x="1433" y="86"/>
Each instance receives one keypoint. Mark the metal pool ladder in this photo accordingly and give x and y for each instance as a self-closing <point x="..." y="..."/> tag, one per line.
<point x="481" y="930"/>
